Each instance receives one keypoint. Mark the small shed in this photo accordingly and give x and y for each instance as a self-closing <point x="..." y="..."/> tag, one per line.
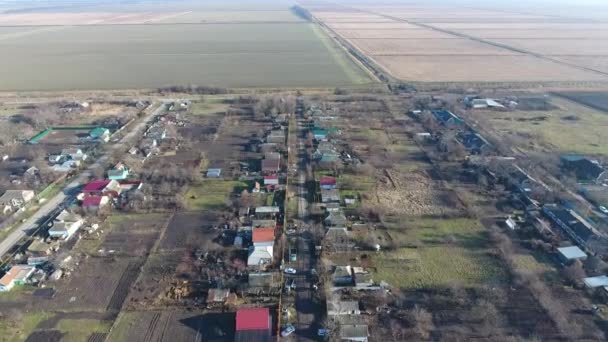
<point x="570" y="254"/>
<point x="214" y="173"/>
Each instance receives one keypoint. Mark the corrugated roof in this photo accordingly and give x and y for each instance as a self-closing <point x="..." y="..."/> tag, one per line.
<point x="96" y="185"/>
<point x="90" y="201"/>
<point x="572" y="252"/>
<point x="596" y="281"/>
<point x="327" y="181"/>
<point x="263" y="235"/>
<point x="253" y="319"/>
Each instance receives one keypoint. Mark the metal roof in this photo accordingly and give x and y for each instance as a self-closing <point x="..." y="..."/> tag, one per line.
<point x="596" y="281"/>
<point x="572" y="252"/>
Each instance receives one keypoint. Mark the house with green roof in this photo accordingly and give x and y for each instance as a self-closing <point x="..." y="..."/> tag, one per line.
<point x="100" y="133"/>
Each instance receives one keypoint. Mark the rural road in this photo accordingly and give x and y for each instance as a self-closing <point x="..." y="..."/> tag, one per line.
<point x="307" y="308"/>
<point x="32" y="223"/>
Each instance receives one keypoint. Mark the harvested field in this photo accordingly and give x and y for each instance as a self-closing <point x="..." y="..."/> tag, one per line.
<point x="417" y="33"/>
<point x="191" y="230"/>
<point x="173" y="326"/>
<point x="599" y="63"/>
<point x="391" y="44"/>
<point x="406" y="47"/>
<point x="518" y="26"/>
<point x="580" y="47"/>
<point x="536" y="33"/>
<point x="371" y="26"/>
<point x="481" y="69"/>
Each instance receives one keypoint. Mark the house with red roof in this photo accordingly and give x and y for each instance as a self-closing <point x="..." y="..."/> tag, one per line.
<point x="253" y="325"/>
<point x="92" y="204"/>
<point x="262" y="251"/>
<point x="271" y="180"/>
<point x="327" y="183"/>
<point x="102" y="187"/>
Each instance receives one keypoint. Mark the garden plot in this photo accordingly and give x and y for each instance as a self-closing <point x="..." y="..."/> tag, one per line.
<point x="98" y="284"/>
<point x="133" y="235"/>
<point x="191" y="231"/>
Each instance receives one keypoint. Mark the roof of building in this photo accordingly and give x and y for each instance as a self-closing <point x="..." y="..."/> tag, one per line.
<point x="336" y="218"/>
<point x="270" y="164"/>
<point x="264" y="223"/>
<point x="92" y="201"/>
<point x="18" y="273"/>
<point x="262" y="280"/>
<point x="584" y="168"/>
<point x="445" y="116"/>
<point x="327" y="180"/>
<point x="332" y="195"/>
<point x="353" y="331"/>
<point x="272" y="155"/>
<point x="263" y="235"/>
<point x="572" y="252"/>
<point x="96" y="185"/>
<point x="217" y="295"/>
<point x="15" y="194"/>
<point x="267" y="210"/>
<point x="253" y="319"/>
<point x="342" y="271"/>
<point x="340" y="306"/>
<point x="259" y="256"/>
<point x="98" y="131"/>
<point x="596" y="281"/>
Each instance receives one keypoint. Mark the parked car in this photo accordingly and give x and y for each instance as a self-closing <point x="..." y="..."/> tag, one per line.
<point x="293" y="255"/>
<point x="290" y="270"/>
<point x="289" y="329"/>
<point x="603" y="209"/>
<point x="323" y="332"/>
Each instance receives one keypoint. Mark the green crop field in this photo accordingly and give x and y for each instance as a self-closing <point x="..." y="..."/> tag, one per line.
<point x="149" y="56"/>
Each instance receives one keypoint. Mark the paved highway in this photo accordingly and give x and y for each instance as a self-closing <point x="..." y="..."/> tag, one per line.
<point x="32" y="223"/>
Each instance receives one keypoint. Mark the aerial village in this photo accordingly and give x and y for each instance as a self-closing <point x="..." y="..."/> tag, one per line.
<point x="285" y="214"/>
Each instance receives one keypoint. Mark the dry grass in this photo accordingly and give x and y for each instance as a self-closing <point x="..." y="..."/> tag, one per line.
<point x="586" y="134"/>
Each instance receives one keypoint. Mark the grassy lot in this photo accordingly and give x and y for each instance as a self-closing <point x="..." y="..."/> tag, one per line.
<point x="442" y="252"/>
<point x="210" y="105"/>
<point x="211" y="194"/>
<point x="15" y="328"/>
<point x="570" y="128"/>
<point x="80" y="329"/>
